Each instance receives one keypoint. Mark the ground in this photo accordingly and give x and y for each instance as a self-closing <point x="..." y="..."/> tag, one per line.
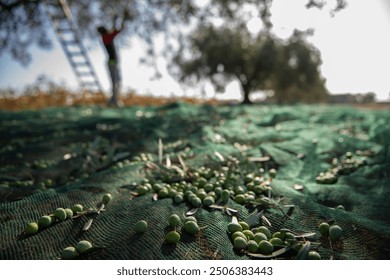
<point x="331" y="165"/>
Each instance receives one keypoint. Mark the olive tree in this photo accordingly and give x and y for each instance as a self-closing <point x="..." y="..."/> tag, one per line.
<point x="223" y="55"/>
<point x="24" y="23"/>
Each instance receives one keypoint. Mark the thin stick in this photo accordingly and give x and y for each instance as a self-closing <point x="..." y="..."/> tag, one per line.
<point x="160" y="151"/>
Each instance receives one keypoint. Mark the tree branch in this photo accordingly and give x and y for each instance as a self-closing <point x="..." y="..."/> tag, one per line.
<point x="9" y="7"/>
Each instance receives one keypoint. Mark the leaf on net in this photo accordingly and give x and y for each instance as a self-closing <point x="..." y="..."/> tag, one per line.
<point x="215" y="206"/>
<point x="298" y="187"/>
<point x="182" y="163"/>
<point x="273" y="255"/>
<point x="192" y="212"/>
<point x="305" y="235"/>
<point x="100" y="208"/>
<point x="179" y="170"/>
<point x="254" y="218"/>
<point x="168" y="161"/>
<point x="259" y="159"/>
<point x="231" y="211"/>
<point x="160" y="151"/>
<point x="87" y="225"/>
<point x="219" y="156"/>
<point x="152" y="165"/>
<point x="265" y="220"/>
<point x="304" y="251"/>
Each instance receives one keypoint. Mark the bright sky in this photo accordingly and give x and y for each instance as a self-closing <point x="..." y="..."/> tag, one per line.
<point x="354" y="47"/>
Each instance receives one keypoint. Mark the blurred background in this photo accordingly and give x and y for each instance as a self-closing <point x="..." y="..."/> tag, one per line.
<point x="243" y="51"/>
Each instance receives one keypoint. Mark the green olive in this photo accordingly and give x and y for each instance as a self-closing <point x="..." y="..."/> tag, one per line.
<point x="265" y="230"/>
<point x="163" y="193"/>
<point x="172" y="237"/>
<point x="218" y="191"/>
<point x="276" y="241"/>
<point x="190" y="218"/>
<point x="335" y="232"/>
<point x="141" y="226"/>
<point x="239" y="243"/>
<point x="208" y="201"/>
<point x="69" y="253"/>
<point x="208" y="187"/>
<point x="106" y="198"/>
<point x="191" y="196"/>
<point x="324" y="229"/>
<point x="83" y="246"/>
<point x="240" y="199"/>
<point x="77" y="208"/>
<point x="289" y="236"/>
<point x="191" y="227"/>
<point x="252" y="246"/>
<point x="265" y="247"/>
<point x="249" y="234"/>
<point x="174" y="220"/>
<point x="178" y="198"/>
<point x="44" y="221"/>
<point x="196" y="202"/>
<point x="239" y="234"/>
<point x="280" y="235"/>
<point x="225" y="195"/>
<point x="259" y="237"/>
<point x="156" y="187"/>
<point x="201" y="194"/>
<point x="313" y="255"/>
<point x="258" y="189"/>
<point x="69" y="213"/>
<point x="233" y="227"/>
<point x="141" y="190"/>
<point x="32" y="228"/>
<point x="60" y="214"/>
<point x="244" y="225"/>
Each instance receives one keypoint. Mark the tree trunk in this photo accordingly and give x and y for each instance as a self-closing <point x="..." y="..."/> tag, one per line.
<point x="246" y="92"/>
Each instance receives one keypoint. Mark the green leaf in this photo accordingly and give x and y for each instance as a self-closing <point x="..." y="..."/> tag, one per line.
<point x="273" y="255"/>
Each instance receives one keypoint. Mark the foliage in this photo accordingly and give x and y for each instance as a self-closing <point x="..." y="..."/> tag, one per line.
<point x="297" y="78"/>
<point x="24" y="23"/>
<point x="262" y="62"/>
<point x="221" y="53"/>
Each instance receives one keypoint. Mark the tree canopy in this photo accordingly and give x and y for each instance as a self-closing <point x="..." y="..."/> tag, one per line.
<point x="24" y="23"/>
<point x="189" y="28"/>
<point x="261" y="62"/>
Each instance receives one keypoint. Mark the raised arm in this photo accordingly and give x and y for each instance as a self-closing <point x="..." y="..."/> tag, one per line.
<point x="126" y="16"/>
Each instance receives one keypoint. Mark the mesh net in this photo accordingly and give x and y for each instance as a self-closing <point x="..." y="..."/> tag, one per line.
<point x="59" y="157"/>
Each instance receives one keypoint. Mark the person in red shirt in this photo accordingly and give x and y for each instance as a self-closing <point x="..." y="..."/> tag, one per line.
<point x="113" y="62"/>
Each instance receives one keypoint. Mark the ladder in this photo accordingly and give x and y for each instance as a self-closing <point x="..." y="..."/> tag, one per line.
<point x="61" y="18"/>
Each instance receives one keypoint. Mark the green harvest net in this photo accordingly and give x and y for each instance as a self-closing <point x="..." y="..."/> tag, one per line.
<point x="332" y="165"/>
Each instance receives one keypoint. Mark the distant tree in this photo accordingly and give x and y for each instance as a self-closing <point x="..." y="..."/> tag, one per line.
<point x="263" y="62"/>
<point x="223" y="55"/>
<point x="366" y="98"/>
<point x="297" y="77"/>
